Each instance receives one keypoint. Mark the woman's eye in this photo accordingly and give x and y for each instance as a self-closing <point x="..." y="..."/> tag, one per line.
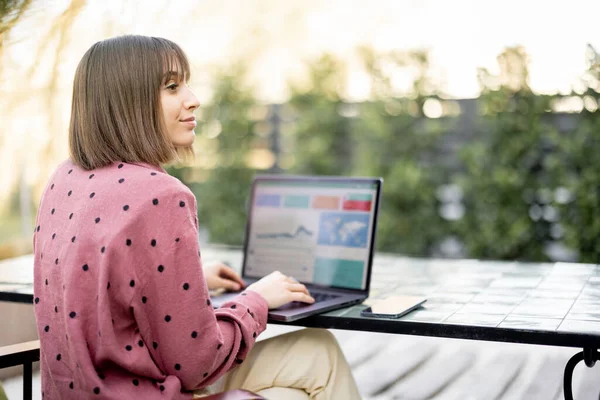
<point x="172" y="86"/>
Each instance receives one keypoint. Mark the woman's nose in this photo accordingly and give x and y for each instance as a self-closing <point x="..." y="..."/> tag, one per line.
<point x="191" y="102"/>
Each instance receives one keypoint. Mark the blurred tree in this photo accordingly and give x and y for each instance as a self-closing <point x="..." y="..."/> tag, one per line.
<point x="227" y="134"/>
<point x="398" y="142"/>
<point x="323" y="144"/>
<point x="581" y="210"/>
<point x="510" y="171"/>
<point x="385" y="136"/>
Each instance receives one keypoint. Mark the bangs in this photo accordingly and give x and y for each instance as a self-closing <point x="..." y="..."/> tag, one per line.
<point x="174" y="63"/>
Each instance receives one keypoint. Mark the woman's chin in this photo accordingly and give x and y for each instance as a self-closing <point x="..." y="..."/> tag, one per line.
<point x="185" y="140"/>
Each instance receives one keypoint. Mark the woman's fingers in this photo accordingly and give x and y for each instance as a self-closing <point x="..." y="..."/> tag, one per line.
<point x="301" y="296"/>
<point x="228" y="273"/>
<point x="297" y="287"/>
<point x="229" y="284"/>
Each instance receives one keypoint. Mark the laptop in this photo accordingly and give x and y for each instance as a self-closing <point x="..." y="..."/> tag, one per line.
<point x="318" y="230"/>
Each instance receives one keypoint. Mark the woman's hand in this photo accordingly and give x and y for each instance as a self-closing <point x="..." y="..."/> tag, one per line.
<point x="220" y="276"/>
<point x="278" y="289"/>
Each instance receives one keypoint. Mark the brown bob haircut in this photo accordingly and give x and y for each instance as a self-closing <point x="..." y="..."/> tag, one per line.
<point x="116" y="112"/>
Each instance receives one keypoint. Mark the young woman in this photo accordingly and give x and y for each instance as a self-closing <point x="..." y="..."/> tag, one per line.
<point x="121" y="298"/>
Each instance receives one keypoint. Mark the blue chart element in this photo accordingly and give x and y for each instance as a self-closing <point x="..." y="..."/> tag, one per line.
<point x="301" y="230"/>
<point x="268" y="200"/>
<point x="344" y="229"/>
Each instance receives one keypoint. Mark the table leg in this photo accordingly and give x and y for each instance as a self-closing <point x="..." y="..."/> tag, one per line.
<point x="590" y="356"/>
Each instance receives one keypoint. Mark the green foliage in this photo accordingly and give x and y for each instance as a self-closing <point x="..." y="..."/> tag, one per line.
<point x="524" y="183"/>
<point x="377" y="138"/>
<point x="508" y="170"/>
<point x="581" y="214"/>
<point x="226" y="128"/>
<point x="323" y="139"/>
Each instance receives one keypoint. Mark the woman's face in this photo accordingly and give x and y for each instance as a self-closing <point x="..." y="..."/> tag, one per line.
<point x="178" y="105"/>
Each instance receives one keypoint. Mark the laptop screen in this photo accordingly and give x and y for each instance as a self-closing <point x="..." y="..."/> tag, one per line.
<point x="318" y="231"/>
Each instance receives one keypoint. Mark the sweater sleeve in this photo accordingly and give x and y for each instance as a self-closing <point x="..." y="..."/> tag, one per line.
<point x="186" y="337"/>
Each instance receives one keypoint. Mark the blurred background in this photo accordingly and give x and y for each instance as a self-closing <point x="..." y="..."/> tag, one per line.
<point x="482" y="117"/>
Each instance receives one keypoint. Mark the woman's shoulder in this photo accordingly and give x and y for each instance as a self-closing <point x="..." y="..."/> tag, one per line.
<point x="123" y="178"/>
<point x="153" y="178"/>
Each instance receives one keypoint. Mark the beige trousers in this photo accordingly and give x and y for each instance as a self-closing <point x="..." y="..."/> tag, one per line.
<point x="306" y="364"/>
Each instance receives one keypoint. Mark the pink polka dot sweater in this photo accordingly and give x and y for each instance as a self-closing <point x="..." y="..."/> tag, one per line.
<point x="121" y="304"/>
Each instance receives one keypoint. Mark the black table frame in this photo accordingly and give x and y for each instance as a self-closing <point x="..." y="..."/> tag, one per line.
<point x="590" y="343"/>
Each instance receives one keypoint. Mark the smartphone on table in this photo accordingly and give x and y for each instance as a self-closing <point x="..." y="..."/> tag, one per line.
<point x="393" y="306"/>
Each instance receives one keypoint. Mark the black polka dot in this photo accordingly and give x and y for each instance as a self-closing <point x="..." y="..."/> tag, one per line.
<point x="182" y="204"/>
<point x="167" y="318"/>
<point x="121" y="180"/>
<point x="52" y="212"/>
<point x="243" y="294"/>
<point x="70" y="215"/>
<point x="128" y="347"/>
<point x="102" y="249"/>
<point x="194" y="335"/>
<point x="72" y="314"/>
<point x="140" y="343"/>
<point x="254" y="335"/>
<point x="162" y="388"/>
<point x="52" y="187"/>
<point x="108" y="286"/>
<point x="91" y="176"/>
<point x="96" y="390"/>
<point x="46" y="282"/>
<point x="219" y="346"/>
<point x="153" y="243"/>
<point x="155" y="202"/>
<point x="132" y="283"/>
<point x="186" y="286"/>
<point x="70" y="192"/>
<point x="73" y="239"/>
<point x="41" y="256"/>
<point x="120" y="166"/>
<point x="71" y="385"/>
<point x="46" y="328"/>
<point x="38" y="228"/>
<point x="208" y="302"/>
<point x="92" y="195"/>
<point x="233" y="306"/>
<point x="58" y="357"/>
<point x="85" y="267"/>
<point x="56" y="309"/>
<point x="154" y="345"/>
<point x="56" y="261"/>
<point x="161" y="268"/>
<point x="70" y="171"/>
<point x="128" y="242"/>
<point x="135" y="382"/>
<point x="53" y="236"/>
<point x="177" y="367"/>
<point x="125" y="207"/>
<point x="97" y="219"/>
<point x="152" y="173"/>
<point x="144" y="299"/>
<point x="205" y="374"/>
<point x="177" y="239"/>
<point x="37" y="300"/>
